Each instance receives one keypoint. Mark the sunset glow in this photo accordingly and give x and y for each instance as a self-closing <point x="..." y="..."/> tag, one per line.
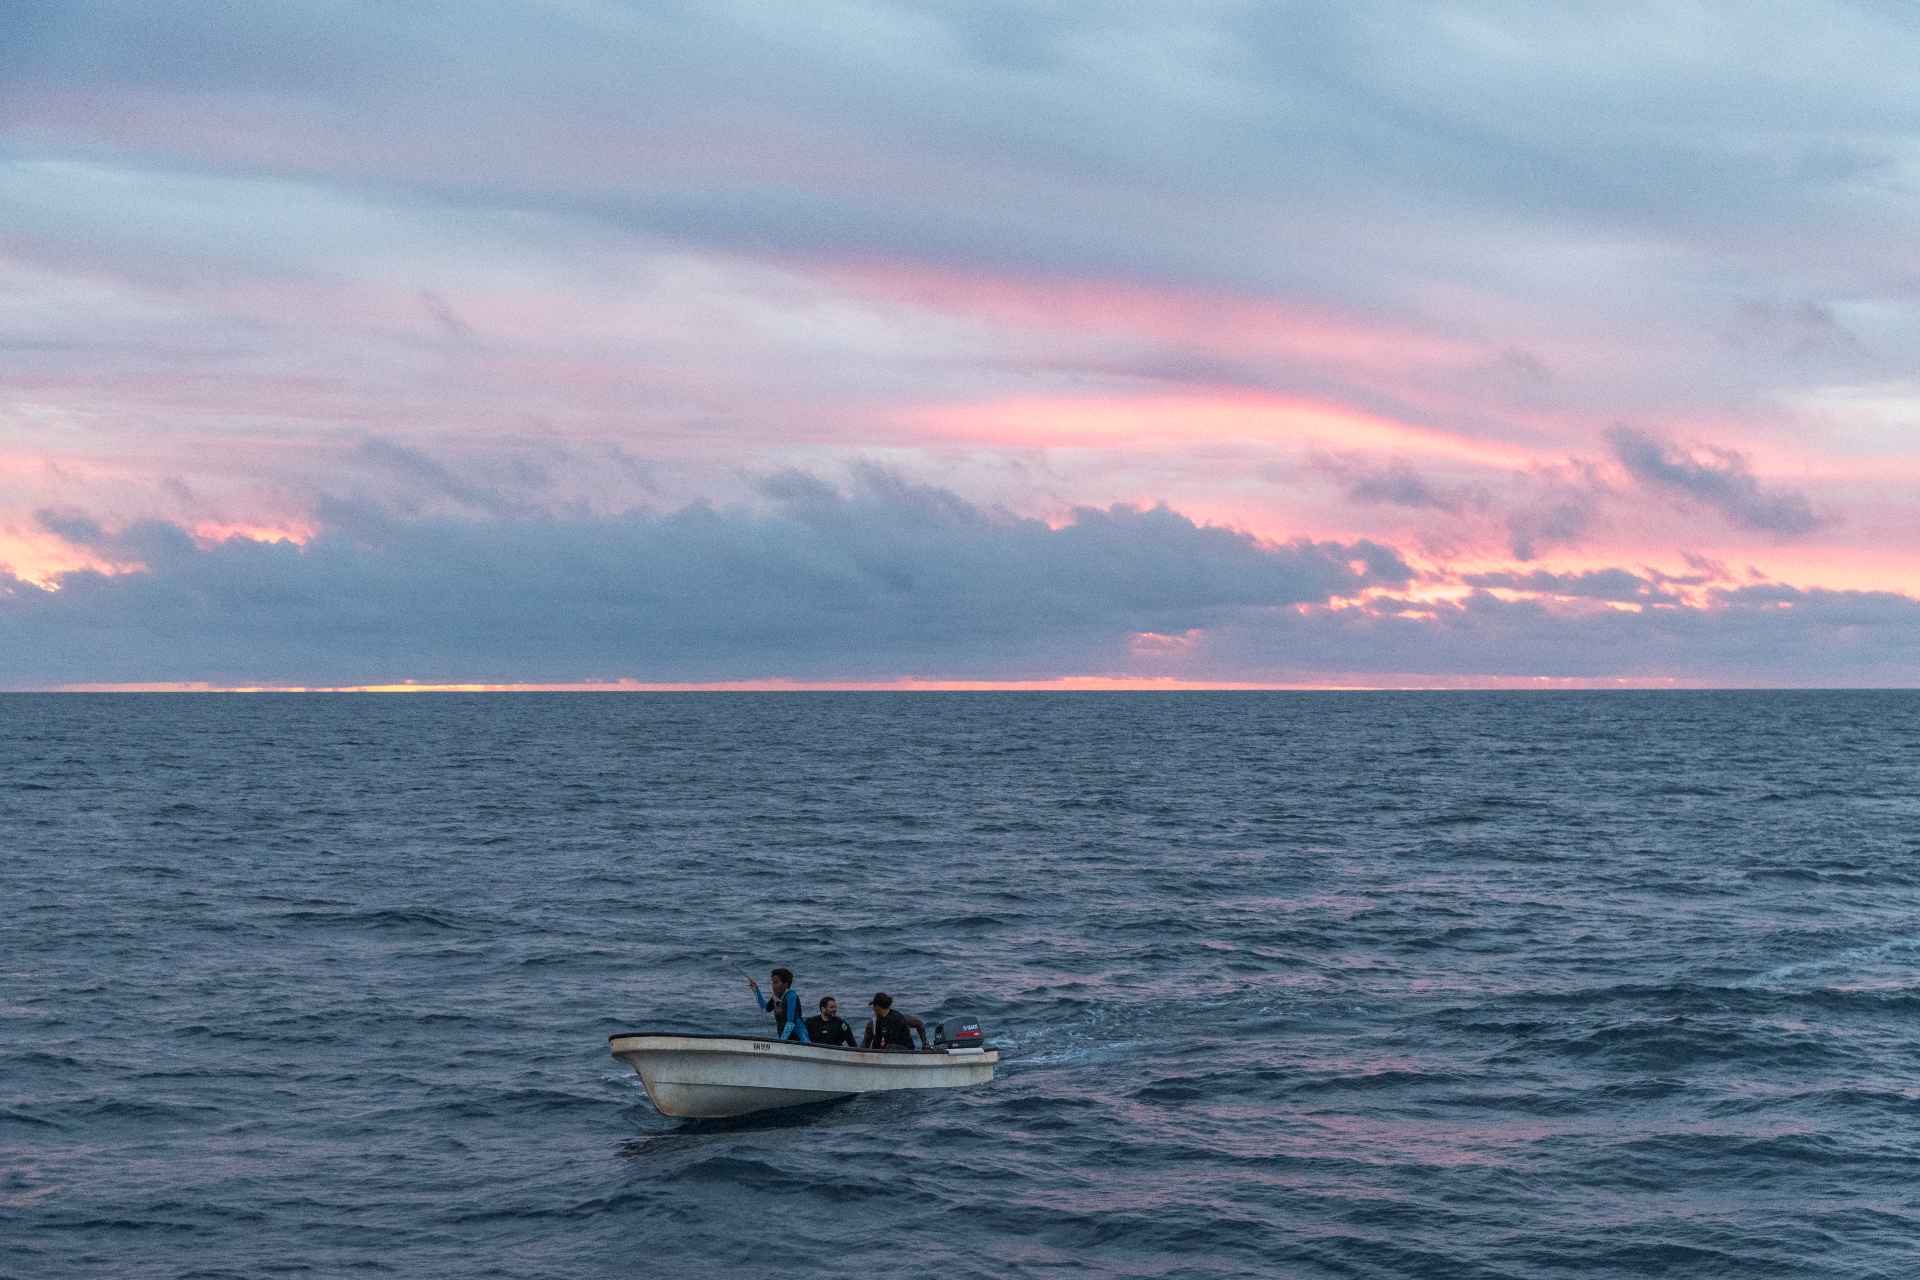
<point x="1172" y="370"/>
<point x="1155" y="424"/>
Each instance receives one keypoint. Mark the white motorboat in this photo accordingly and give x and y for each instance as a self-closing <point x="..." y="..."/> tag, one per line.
<point x="696" y="1075"/>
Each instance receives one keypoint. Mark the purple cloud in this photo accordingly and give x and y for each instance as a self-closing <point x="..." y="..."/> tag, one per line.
<point x="1396" y="483"/>
<point x="1562" y="506"/>
<point x="1720" y="481"/>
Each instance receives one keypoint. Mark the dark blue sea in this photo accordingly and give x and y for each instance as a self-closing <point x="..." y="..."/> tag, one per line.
<point x="1307" y="985"/>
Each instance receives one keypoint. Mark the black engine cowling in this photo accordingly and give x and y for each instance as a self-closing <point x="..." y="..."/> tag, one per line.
<point x="958" y="1033"/>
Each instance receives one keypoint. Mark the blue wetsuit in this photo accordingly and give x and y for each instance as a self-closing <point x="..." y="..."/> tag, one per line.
<point x="787" y="1022"/>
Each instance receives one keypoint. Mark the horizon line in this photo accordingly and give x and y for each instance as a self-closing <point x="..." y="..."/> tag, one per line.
<point x="1064" y="684"/>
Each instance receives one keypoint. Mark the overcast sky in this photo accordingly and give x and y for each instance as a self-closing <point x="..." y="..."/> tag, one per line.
<point x="554" y="341"/>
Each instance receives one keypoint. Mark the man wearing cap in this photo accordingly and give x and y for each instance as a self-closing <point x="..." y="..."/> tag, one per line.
<point x="890" y="1031"/>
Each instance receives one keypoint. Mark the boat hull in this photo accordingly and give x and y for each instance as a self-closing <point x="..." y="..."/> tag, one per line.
<point x="714" y="1076"/>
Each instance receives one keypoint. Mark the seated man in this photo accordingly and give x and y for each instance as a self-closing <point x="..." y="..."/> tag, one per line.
<point x="828" y="1027"/>
<point x="890" y="1031"/>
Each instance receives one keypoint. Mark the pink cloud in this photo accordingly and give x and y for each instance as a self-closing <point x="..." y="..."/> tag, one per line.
<point x="1148" y="423"/>
<point x="41" y="558"/>
<point x="1212" y="320"/>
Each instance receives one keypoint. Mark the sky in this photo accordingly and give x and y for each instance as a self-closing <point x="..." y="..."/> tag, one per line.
<point x="596" y="343"/>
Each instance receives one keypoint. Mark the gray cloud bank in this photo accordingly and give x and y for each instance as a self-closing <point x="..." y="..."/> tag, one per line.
<point x="1757" y="635"/>
<point x="869" y="582"/>
<point x="885" y="579"/>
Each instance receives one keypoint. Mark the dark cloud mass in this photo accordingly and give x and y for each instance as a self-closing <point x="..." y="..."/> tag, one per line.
<point x="880" y="579"/>
<point x="1720" y="481"/>
<point x="883" y="579"/>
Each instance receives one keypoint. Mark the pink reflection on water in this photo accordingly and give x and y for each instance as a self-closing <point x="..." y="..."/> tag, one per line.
<point x="1341" y="904"/>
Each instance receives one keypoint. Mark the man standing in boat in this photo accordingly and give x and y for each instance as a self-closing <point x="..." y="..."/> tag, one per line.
<point x="828" y="1027"/>
<point x="784" y="1005"/>
<point x="891" y="1031"/>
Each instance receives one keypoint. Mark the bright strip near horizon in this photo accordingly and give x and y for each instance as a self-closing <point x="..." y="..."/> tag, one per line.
<point x="957" y="346"/>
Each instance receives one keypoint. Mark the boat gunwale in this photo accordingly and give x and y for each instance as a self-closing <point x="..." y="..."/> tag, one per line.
<point x="715" y="1043"/>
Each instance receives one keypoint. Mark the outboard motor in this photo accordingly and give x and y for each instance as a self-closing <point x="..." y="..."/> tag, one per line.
<point x="958" y="1033"/>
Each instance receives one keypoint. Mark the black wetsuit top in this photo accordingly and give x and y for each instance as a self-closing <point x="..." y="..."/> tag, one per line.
<point x="825" y="1030"/>
<point x="891" y="1031"/>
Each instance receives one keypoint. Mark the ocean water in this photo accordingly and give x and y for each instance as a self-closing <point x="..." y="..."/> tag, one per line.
<point x="1315" y="985"/>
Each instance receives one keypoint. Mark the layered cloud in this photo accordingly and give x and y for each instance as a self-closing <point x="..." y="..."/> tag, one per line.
<point x="883" y="580"/>
<point x="1522" y="295"/>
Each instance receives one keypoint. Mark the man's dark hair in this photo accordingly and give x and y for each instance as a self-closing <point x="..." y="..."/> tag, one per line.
<point x="881" y="1000"/>
<point x="825" y="1001"/>
<point x="785" y="975"/>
